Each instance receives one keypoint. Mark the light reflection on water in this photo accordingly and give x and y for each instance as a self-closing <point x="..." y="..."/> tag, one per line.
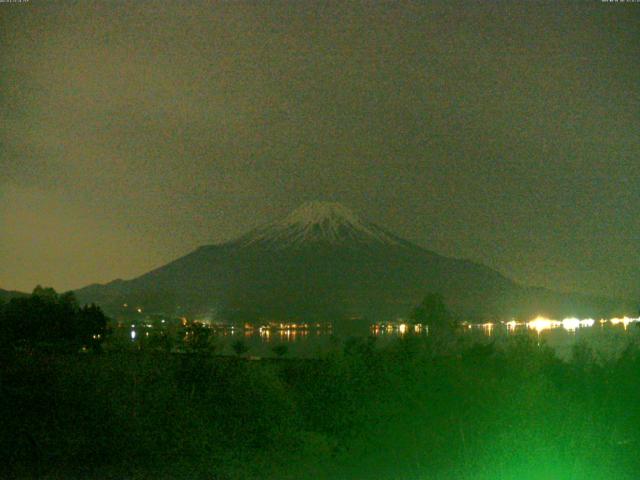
<point x="608" y="336"/>
<point x="541" y="324"/>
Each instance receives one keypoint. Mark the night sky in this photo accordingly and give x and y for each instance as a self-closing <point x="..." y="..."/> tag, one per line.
<point x="133" y="132"/>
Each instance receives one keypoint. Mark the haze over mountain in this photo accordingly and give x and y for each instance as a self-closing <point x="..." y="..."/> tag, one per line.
<point x="322" y="262"/>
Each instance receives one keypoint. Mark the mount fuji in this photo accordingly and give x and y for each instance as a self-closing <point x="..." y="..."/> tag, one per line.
<point x="319" y="222"/>
<point x="323" y="262"/>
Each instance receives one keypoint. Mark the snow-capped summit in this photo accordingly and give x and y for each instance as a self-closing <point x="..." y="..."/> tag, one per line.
<point x="318" y="212"/>
<point x="313" y="222"/>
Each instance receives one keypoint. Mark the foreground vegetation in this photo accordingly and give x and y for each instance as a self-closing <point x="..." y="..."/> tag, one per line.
<point x="421" y="408"/>
<point x="46" y="320"/>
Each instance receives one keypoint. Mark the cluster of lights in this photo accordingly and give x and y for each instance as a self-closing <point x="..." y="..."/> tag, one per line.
<point x="289" y="331"/>
<point x="512" y="325"/>
<point x="401" y="328"/>
<point x="487" y="327"/>
<point x="265" y="332"/>
<point x="540" y="324"/>
<point x="625" y="321"/>
<point x="571" y="324"/>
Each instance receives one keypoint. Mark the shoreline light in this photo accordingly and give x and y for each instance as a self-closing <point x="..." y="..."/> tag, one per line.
<point x="539" y="324"/>
<point x="587" y="322"/>
<point x="625" y="321"/>
<point x="571" y="324"/>
<point x="512" y="325"/>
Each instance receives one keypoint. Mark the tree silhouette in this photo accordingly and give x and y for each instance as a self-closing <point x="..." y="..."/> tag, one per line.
<point x="433" y="312"/>
<point x="200" y="339"/>
<point x="48" y="318"/>
<point x="92" y="325"/>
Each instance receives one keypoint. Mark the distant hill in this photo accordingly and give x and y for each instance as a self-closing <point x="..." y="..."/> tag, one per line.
<point x="6" y="295"/>
<point x="323" y="262"/>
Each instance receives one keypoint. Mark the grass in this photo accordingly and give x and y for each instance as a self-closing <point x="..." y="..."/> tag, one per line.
<point x="409" y="410"/>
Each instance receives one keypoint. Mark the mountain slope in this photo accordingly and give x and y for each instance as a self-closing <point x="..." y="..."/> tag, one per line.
<point x="6" y="295"/>
<point x="323" y="262"/>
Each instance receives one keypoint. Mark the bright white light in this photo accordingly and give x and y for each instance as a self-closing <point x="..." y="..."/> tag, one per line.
<point x="587" y="322"/>
<point x="625" y="321"/>
<point x="512" y="325"/>
<point x="540" y="324"/>
<point x="402" y="328"/>
<point x="571" y="324"/>
<point x="133" y="334"/>
<point x="617" y="321"/>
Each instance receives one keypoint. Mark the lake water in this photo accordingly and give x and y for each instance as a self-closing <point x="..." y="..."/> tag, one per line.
<point x="608" y="339"/>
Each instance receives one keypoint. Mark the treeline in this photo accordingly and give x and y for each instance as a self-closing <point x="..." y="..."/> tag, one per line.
<point x="412" y="410"/>
<point x="46" y="319"/>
